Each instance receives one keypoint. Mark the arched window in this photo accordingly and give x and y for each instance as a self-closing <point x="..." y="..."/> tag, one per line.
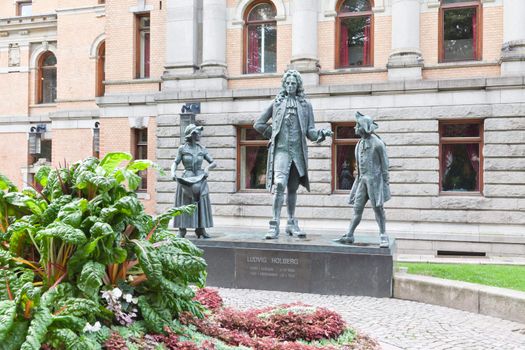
<point x="47" y="78"/>
<point x="101" y="69"/>
<point x="459" y="30"/>
<point x="354" y="33"/>
<point x="260" y="38"/>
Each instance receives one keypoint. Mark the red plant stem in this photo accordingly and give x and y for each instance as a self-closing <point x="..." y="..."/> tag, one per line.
<point x="9" y="293"/>
<point x="27" y="310"/>
<point x="59" y="280"/>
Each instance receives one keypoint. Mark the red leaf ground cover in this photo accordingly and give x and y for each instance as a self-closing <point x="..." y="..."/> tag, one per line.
<point x="272" y="328"/>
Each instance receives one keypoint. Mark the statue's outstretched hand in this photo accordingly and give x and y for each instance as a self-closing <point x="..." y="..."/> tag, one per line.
<point x="323" y="133"/>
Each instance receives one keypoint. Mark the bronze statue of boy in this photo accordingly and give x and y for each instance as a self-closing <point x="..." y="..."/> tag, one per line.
<point x="292" y="123"/>
<point x="372" y="182"/>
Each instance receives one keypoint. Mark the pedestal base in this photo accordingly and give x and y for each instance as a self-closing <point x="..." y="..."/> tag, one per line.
<point x="312" y="265"/>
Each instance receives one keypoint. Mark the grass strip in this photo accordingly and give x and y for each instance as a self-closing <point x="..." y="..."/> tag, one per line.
<point x="503" y="276"/>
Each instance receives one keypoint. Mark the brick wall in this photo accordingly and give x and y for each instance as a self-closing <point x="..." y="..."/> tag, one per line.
<point x="13" y="88"/>
<point x="352" y="78"/>
<point x="13" y="156"/>
<point x="75" y="69"/>
<point x="71" y="145"/>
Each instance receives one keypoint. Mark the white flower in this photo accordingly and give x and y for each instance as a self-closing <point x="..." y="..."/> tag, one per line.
<point x="92" y="328"/>
<point x="128" y="297"/>
<point x="106" y="295"/>
<point x="135" y="300"/>
<point x="117" y="293"/>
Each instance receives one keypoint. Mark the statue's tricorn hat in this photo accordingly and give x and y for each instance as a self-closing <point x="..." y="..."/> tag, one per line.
<point x="192" y="128"/>
<point x="366" y="122"/>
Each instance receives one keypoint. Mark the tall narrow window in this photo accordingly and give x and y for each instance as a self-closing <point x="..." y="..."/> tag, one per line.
<point x="252" y="155"/>
<point x="354" y="34"/>
<point x="47" y="78"/>
<point x="343" y="157"/>
<point x="24" y="8"/>
<point x="143" y="46"/>
<point x="461" y="156"/>
<point x="460" y="30"/>
<point x="261" y="38"/>
<point x="141" y="152"/>
<point x="101" y="69"/>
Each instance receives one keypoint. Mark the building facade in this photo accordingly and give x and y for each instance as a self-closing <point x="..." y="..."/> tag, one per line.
<point x="444" y="80"/>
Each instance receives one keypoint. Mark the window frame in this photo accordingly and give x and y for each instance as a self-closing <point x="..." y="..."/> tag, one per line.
<point x="137" y="143"/>
<point x="40" y="78"/>
<point x="243" y="143"/>
<point x="461" y="140"/>
<point x="340" y="142"/>
<point x="247" y="23"/>
<point x="20" y="4"/>
<point x="100" y="88"/>
<point x="343" y="15"/>
<point x="478" y="50"/>
<point x="139" y="31"/>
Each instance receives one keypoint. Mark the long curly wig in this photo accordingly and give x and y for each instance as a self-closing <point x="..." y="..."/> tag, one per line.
<point x="281" y="96"/>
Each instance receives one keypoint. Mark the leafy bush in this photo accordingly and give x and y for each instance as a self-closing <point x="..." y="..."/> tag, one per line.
<point x="83" y="233"/>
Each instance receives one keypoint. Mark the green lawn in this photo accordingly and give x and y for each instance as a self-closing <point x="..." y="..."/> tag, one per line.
<point x="504" y="276"/>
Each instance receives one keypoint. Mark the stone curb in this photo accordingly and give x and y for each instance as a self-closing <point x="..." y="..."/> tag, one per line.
<point x="491" y="301"/>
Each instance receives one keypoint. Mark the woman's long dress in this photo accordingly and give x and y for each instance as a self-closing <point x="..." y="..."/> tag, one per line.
<point x="192" y="160"/>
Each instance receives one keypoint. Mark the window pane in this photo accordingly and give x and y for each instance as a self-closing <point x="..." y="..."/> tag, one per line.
<point x="345" y="167"/>
<point x="345" y="132"/>
<point x="262" y="12"/>
<point x="459" y="34"/>
<point x="143" y="180"/>
<point x="262" y="48"/>
<point x="49" y="85"/>
<point x="253" y="167"/>
<point x="49" y="61"/>
<point x="142" y="152"/>
<point x="250" y="134"/>
<point x="460" y="130"/>
<point x="355" y="41"/>
<point x="460" y="167"/>
<point x="355" y="6"/>
<point x="25" y="9"/>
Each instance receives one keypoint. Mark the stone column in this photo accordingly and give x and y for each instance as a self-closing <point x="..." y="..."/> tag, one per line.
<point x="181" y="37"/>
<point x="513" y="50"/>
<point x="214" y="44"/>
<point x="304" y="40"/>
<point x="405" y="61"/>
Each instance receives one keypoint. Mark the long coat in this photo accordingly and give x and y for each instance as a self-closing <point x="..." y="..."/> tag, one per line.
<point x="276" y="111"/>
<point x="373" y="162"/>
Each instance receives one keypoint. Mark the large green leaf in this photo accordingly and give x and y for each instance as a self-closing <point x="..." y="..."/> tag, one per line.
<point x="51" y="213"/>
<point x="149" y="261"/>
<point x="18" y="234"/>
<point x="72" y="213"/>
<point x="16" y="336"/>
<point x="71" y="341"/>
<point x="38" y="328"/>
<point x="6" y="184"/>
<point x="90" y="279"/>
<point x="164" y="218"/>
<point x="7" y="317"/>
<point x="64" y="232"/>
<point x="113" y="159"/>
<point x="42" y="175"/>
<point x="156" y="318"/>
<point x="129" y="176"/>
<point x="14" y="278"/>
<point x="129" y="206"/>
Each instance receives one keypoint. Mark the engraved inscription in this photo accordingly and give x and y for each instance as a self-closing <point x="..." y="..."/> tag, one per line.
<point x="280" y="270"/>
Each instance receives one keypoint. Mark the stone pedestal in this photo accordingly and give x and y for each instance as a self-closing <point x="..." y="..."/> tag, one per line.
<point x="315" y="265"/>
<point x="405" y="61"/>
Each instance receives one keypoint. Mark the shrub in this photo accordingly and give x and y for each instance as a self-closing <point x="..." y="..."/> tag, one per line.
<point x="84" y="233"/>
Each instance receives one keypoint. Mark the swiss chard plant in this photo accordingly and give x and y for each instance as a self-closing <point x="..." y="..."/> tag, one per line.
<point x="79" y="234"/>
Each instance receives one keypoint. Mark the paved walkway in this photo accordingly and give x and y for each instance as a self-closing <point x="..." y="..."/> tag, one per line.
<point x="399" y="323"/>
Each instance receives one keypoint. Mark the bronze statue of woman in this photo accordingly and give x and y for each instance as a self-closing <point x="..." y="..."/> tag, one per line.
<point x="192" y="186"/>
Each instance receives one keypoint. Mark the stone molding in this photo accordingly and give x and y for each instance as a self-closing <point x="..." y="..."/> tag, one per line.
<point x="40" y="49"/>
<point x="240" y="9"/>
<point x="94" y="46"/>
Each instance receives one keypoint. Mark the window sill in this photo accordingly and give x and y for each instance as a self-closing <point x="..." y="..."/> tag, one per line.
<point x="355" y="70"/>
<point x="144" y="195"/>
<point x="256" y="76"/>
<point x="469" y="194"/>
<point x="461" y="64"/>
<point x="247" y="191"/>
<point x="132" y="81"/>
<point x="43" y="105"/>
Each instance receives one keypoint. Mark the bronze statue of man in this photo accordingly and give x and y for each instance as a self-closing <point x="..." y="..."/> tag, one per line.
<point x="372" y="182"/>
<point x="292" y="122"/>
